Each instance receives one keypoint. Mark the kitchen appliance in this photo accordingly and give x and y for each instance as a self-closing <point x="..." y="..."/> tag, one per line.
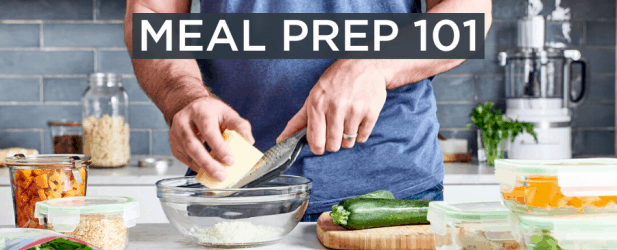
<point x="539" y="90"/>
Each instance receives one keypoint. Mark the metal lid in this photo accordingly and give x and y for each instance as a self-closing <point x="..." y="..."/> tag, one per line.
<point x="51" y="161"/>
<point x="105" y="80"/>
<point x="65" y="123"/>
<point x="64" y="213"/>
<point x="492" y="215"/>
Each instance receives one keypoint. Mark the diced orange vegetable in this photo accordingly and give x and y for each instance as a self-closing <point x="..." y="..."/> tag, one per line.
<point x="31" y="186"/>
<point x="544" y="192"/>
<point x="82" y="172"/>
<point x="41" y="181"/>
<point x="42" y="194"/>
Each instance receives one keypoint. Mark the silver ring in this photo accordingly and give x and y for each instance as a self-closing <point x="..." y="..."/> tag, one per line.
<point x="350" y="137"/>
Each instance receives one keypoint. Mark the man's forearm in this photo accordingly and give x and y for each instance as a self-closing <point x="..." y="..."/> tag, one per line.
<point x="402" y="72"/>
<point x="171" y="84"/>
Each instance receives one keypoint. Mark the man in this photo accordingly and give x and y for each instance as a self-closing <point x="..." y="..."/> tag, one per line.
<point x="341" y="102"/>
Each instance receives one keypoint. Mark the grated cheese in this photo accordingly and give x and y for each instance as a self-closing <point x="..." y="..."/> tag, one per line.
<point x="235" y="232"/>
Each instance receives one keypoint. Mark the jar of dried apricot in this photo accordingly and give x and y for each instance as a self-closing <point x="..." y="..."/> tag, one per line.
<point x="43" y="177"/>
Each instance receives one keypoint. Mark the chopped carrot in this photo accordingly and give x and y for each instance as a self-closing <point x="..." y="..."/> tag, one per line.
<point x="31" y="186"/>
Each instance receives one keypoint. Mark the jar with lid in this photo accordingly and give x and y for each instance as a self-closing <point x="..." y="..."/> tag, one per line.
<point x="66" y="136"/>
<point x="100" y="221"/>
<point x="105" y="121"/>
<point x="37" y="178"/>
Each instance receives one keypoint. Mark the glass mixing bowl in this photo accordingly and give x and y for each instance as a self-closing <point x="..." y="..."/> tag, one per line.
<point x="233" y="218"/>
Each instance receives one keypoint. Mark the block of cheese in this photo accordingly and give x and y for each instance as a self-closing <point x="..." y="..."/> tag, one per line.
<point x="245" y="155"/>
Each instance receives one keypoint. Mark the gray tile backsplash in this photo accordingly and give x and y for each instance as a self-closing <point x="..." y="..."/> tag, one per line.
<point x="90" y="35"/>
<point x="25" y="139"/>
<point x="140" y="142"/>
<point x="597" y="115"/>
<point x="490" y="88"/>
<point x="36" y="116"/>
<point x="599" y="142"/>
<point x="110" y="9"/>
<point x="118" y="62"/>
<point x="19" y="35"/>
<point x="160" y="143"/>
<point x="601" y="33"/>
<point x="64" y="89"/>
<point x="41" y="68"/>
<point x="146" y="116"/>
<point x="28" y="62"/>
<point x="46" y="9"/>
<point x="453" y="88"/>
<point x="20" y="89"/>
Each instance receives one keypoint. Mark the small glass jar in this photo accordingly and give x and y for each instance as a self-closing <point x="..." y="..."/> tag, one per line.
<point x="37" y="178"/>
<point x="97" y="220"/>
<point x="67" y="137"/>
<point x="105" y="121"/>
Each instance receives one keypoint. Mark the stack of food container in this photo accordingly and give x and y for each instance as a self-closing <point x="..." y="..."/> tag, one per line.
<point x="562" y="204"/>
<point x="471" y="225"/>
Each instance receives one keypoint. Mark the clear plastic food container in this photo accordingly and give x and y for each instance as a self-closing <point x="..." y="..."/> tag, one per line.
<point x="97" y="220"/>
<point x="471" y="225"/>
<point x="37" y="178"/>
<point x="567" y="232"/>
<point x="554" y="187"/>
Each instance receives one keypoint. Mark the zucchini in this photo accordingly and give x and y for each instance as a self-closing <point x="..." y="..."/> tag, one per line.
<point x="362" y="213"/>
<point x="379" y="194"/>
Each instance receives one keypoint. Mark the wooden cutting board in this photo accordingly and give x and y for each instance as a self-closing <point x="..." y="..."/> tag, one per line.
<point x="398" y="237"/>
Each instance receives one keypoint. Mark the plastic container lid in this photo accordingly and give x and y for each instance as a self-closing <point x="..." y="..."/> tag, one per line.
<point x="491" y="216"/>
<point x="576" y="177"/>
<point x="64" y="213"/>
<point x="588" y="227"/>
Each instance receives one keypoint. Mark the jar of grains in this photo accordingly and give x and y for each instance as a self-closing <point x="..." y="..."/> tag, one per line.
<point x="37" y="178"/>
<point x="100" y="221"/>
<point x="105" y="121"/>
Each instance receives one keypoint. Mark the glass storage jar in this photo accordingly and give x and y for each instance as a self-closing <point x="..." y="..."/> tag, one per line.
<point x="105" y="121"/>
<point x="66" y="136"/>
<point x="37" y="178"/>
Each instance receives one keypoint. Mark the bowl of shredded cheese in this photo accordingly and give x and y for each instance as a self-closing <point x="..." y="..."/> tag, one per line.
<point x="234" y="218"/>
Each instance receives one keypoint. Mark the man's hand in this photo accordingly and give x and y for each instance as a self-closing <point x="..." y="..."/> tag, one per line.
<point x="347" y="99"/>
<point x="210" y="116"/>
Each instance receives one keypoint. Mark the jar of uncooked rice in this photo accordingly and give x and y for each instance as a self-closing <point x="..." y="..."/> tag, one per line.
<point x="99" y="221"/>
<point x="105" y="121"/>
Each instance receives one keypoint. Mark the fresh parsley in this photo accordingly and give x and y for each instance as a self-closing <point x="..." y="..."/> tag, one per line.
<point x="494" y="130"/>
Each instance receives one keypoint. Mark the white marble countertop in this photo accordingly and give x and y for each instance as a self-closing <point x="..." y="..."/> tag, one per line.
<point x="455" y="174"/>
<point x="164" y="236"/>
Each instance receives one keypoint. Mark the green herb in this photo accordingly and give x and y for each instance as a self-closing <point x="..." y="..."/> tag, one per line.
<point x="494" y="130"/>
<point x="61" y="244"/>
<point x="545" y="242"/>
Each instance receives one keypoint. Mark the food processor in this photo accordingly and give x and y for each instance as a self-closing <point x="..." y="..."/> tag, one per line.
<point x="539" y="91"/>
